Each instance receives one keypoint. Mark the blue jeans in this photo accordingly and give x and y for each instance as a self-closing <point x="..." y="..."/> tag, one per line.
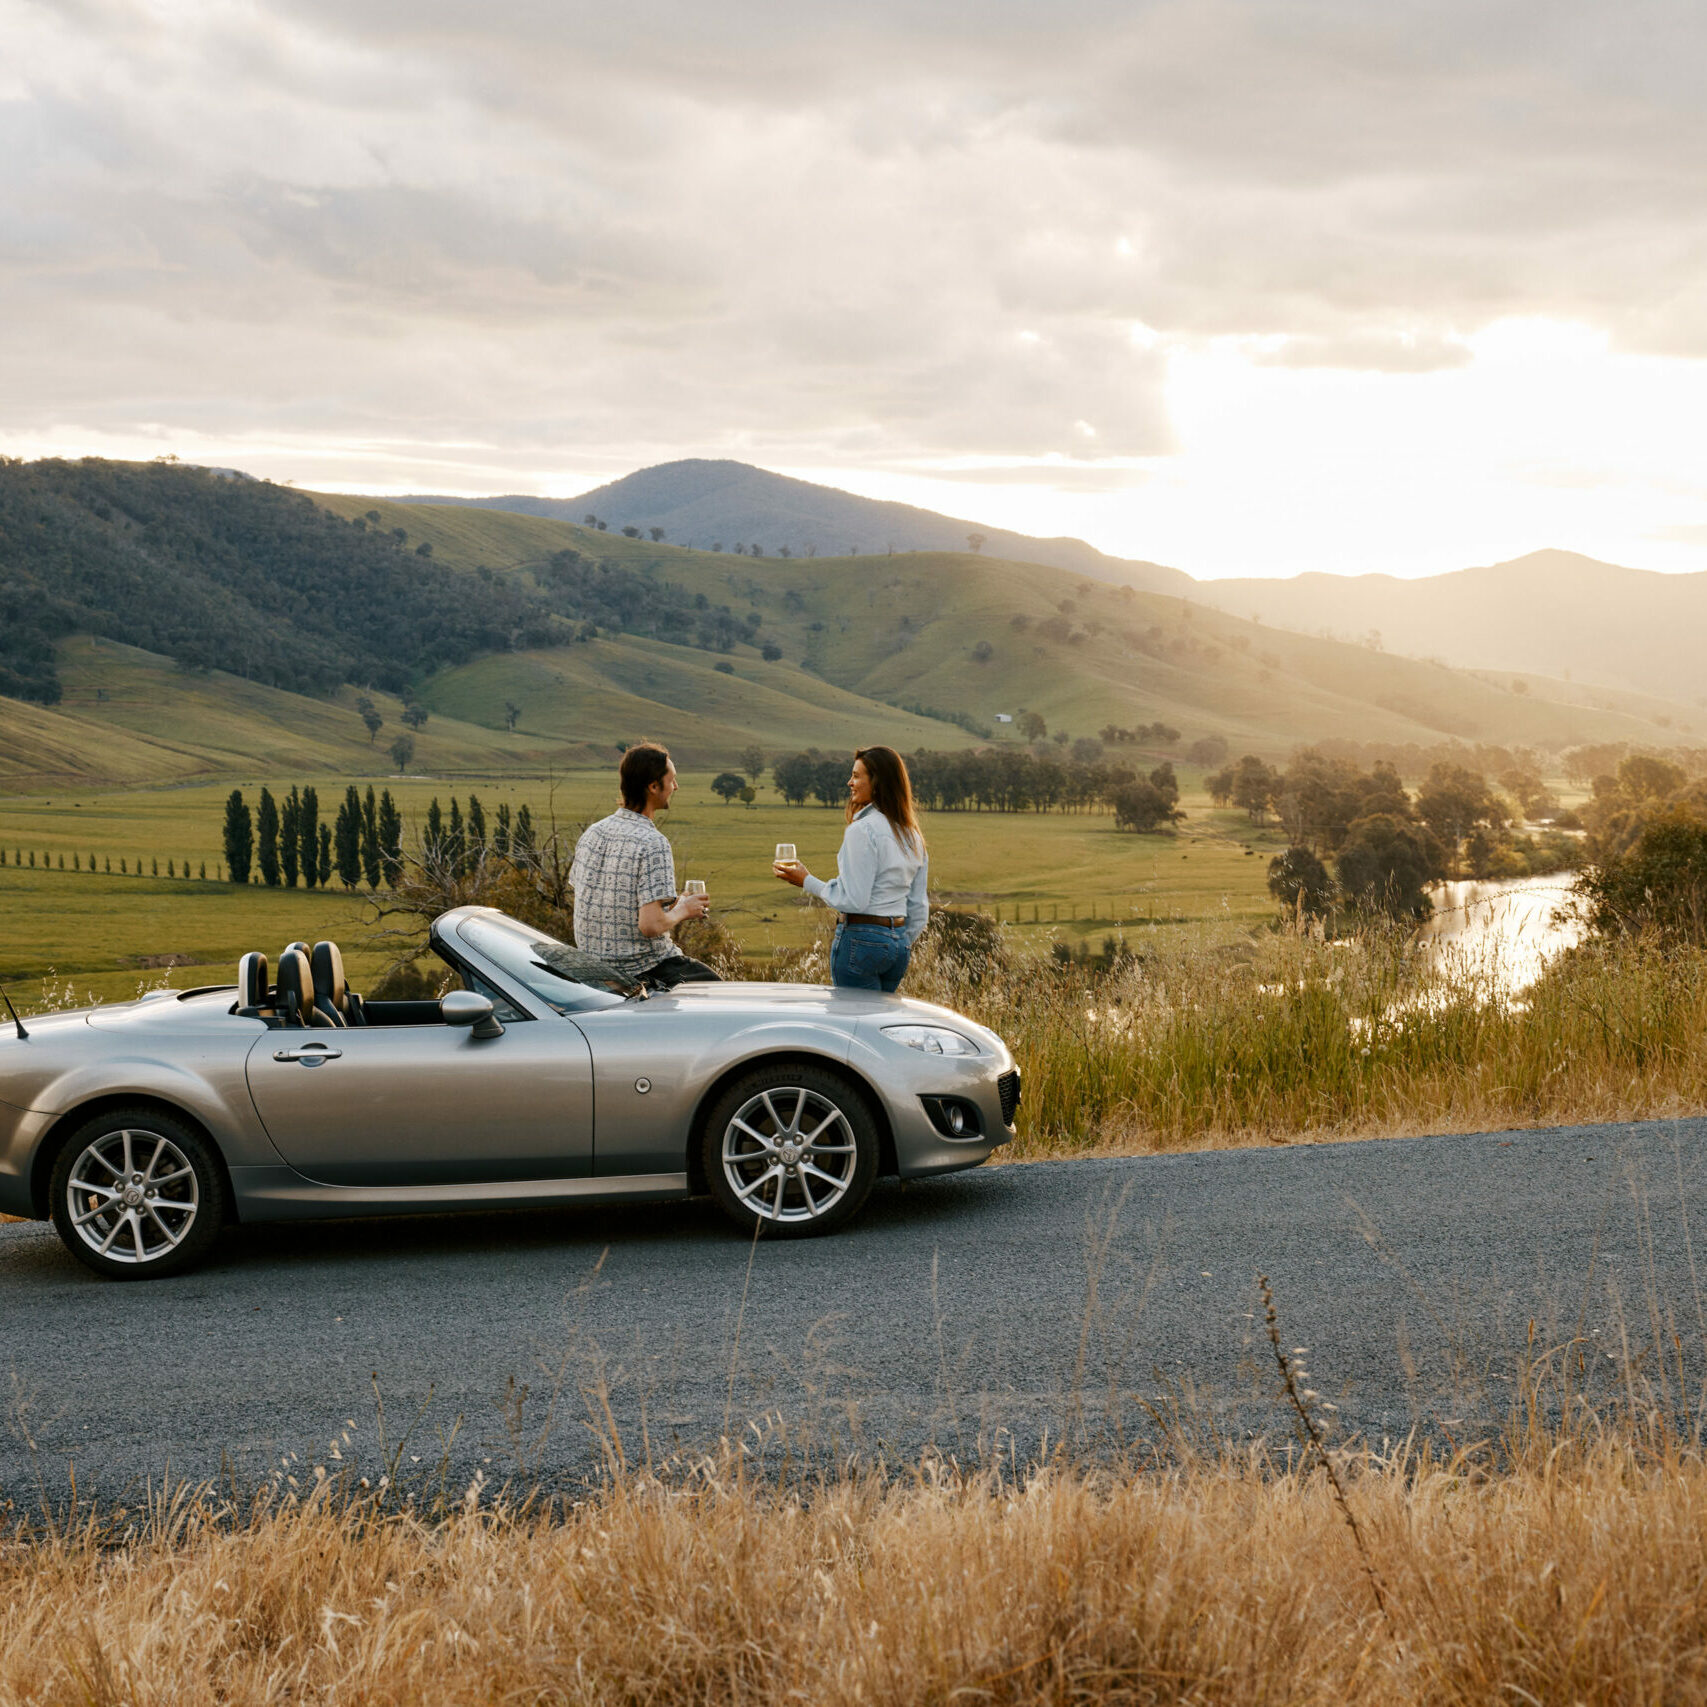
<point x="869" y="957"/>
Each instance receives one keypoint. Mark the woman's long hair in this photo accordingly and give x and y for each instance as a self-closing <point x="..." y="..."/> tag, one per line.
<point x="892" y="794"/>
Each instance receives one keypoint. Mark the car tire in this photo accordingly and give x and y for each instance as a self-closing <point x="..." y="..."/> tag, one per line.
<point x="791" y="1149"/>
<point x="137" y="1193"/>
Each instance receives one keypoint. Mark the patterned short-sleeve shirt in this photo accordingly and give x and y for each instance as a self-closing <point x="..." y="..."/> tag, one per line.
<point x="620" y="864"/>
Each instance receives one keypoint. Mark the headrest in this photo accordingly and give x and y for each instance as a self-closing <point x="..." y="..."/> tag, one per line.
<point x="300" y="947"/>
<point x="327" y="965"/>
<point x="252" y="981"/>
<point x="296" y="986"/>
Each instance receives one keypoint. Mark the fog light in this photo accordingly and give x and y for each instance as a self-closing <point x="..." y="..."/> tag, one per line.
<point x="954" y="1117"/>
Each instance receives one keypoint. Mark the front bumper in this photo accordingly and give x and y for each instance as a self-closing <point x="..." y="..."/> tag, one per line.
<point x="986" y="1087"/>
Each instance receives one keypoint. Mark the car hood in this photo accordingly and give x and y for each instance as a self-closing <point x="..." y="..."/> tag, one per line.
<point x="861" y="1010"/>
<point x="738" y="995"/>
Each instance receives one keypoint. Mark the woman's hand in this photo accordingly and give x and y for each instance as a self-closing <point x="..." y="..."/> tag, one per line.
<point x="790" y="871"/>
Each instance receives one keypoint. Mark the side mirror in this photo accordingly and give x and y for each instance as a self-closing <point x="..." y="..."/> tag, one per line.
<point x="464" y="1007"/>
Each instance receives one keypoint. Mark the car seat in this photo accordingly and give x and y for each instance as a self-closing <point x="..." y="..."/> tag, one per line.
<point x="296" y="991"/>
<point x="332" y="994"/>
<point x="254" y="996"/>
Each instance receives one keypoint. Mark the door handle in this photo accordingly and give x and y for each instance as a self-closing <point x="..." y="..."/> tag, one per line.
<point x="310" y="1056"/>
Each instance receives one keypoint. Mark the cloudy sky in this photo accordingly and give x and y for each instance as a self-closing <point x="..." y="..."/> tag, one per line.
<point x="1246" y="286"/>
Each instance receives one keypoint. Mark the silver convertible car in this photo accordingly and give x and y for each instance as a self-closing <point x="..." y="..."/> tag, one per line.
<point x="541" y="1077"/>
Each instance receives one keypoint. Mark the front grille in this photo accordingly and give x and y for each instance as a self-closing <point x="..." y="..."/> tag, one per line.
<point x="1008" y="1086"/>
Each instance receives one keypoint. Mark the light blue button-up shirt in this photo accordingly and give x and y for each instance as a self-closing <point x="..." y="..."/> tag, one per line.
<point x="877" y="872"/>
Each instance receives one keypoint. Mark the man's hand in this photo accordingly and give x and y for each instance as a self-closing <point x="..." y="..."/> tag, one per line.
<point x="790" y="871"/>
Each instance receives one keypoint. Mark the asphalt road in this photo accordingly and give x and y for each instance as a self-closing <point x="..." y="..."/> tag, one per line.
<point x="1000" y="1311"/>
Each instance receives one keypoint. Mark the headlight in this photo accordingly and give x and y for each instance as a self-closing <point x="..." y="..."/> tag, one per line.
<point x="931" y="1039"/>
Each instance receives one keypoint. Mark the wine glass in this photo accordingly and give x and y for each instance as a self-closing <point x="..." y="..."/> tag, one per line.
<point x="785" y="854"/>
<point x="693" y="886"/>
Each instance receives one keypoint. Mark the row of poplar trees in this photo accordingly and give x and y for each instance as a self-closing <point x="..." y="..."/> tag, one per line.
<point x="459" y="842"/>
<point x="285" y="842"/>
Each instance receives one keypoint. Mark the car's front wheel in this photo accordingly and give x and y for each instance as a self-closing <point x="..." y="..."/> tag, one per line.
<point x="792" y="1149"/>
<point x="137" y="1193"/>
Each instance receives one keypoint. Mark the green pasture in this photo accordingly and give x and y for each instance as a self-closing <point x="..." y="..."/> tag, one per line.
<point x="1055" y="876"/>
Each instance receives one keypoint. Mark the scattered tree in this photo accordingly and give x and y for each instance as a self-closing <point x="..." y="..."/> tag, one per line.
<point x="512" y="712"/>
<point x="975" y="542"/>
<point x="266" y="838"/>
<point x="370" y="838"/>
<point x="347" y="839"/>
<point x="239" y="838"/>
<point x="308" y="832"/>
<point x="1657" y="887"/>
<point x="290" y="837"/>
<point x="415" y="715"/>
<point x="1385" y="865"/>
<point x="402" y="751"/>
<point x="389" y="836"/>
<point x="1141" y="806"/>
<point x="1253" y="787"/>
<point x="370" y="717"/>
<point x="727" y="785"/>
<point x="1299" y="881"/>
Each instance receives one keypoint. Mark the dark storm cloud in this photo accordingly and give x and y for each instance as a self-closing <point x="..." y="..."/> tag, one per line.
<point x="878" y="231"/>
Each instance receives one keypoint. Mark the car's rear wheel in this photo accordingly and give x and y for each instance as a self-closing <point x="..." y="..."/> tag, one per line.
<point x="137" y="1193"/>
<point x="792" y="1149"/>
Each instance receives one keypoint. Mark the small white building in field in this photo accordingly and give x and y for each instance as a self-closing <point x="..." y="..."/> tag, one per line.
<point x="1003" y="717"/>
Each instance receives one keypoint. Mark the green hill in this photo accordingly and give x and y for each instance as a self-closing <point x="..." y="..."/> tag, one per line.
<point x="165" y="615"/>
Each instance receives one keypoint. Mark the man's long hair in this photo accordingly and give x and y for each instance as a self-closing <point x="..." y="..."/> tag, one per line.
<point x="892" y="794"/>
<point x="642" y="765"/>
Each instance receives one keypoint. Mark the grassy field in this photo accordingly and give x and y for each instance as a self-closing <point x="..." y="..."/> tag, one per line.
<point x="1050" y="876"/>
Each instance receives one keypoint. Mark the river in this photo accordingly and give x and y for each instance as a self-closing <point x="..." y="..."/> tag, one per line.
<point x="1503" y="929"/>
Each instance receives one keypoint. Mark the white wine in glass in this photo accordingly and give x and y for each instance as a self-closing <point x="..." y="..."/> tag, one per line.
<point x="693" y="886"/>
<point x="785" y="854"/>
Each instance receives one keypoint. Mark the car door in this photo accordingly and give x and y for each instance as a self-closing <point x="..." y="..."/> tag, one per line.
<point x="427" y="1104"/>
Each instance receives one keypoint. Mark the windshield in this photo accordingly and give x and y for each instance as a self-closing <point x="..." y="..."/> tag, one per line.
<point x="568" y="979"/>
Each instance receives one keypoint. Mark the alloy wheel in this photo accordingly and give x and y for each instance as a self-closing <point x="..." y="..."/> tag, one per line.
<point x="789" y="1154"/>
<point x="132" y="1196"/>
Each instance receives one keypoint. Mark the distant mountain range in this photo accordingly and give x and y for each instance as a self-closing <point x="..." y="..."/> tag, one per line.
<point x="1551" y="613"/>
<point x="730" y="505"/>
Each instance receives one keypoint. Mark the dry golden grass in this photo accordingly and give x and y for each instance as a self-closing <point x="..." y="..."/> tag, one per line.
<point x="1578" y="1576"/>
<point x="1273" y="1038"/>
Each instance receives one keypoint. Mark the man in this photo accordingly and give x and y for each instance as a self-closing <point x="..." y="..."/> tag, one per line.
<point x="624" y="875"/>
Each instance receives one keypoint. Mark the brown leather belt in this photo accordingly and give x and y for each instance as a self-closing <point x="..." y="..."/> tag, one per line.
<point x="873" y="919"/>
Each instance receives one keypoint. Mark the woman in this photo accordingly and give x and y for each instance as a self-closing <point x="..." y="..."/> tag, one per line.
<point x="879" y="887"/>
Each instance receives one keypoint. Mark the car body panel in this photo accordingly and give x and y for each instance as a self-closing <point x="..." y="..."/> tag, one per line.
<point x="657" y="1060"/>
<point x="602" y="1102"/>
<point x="282" y="1194"/>
<point x="515" y="1107"/>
